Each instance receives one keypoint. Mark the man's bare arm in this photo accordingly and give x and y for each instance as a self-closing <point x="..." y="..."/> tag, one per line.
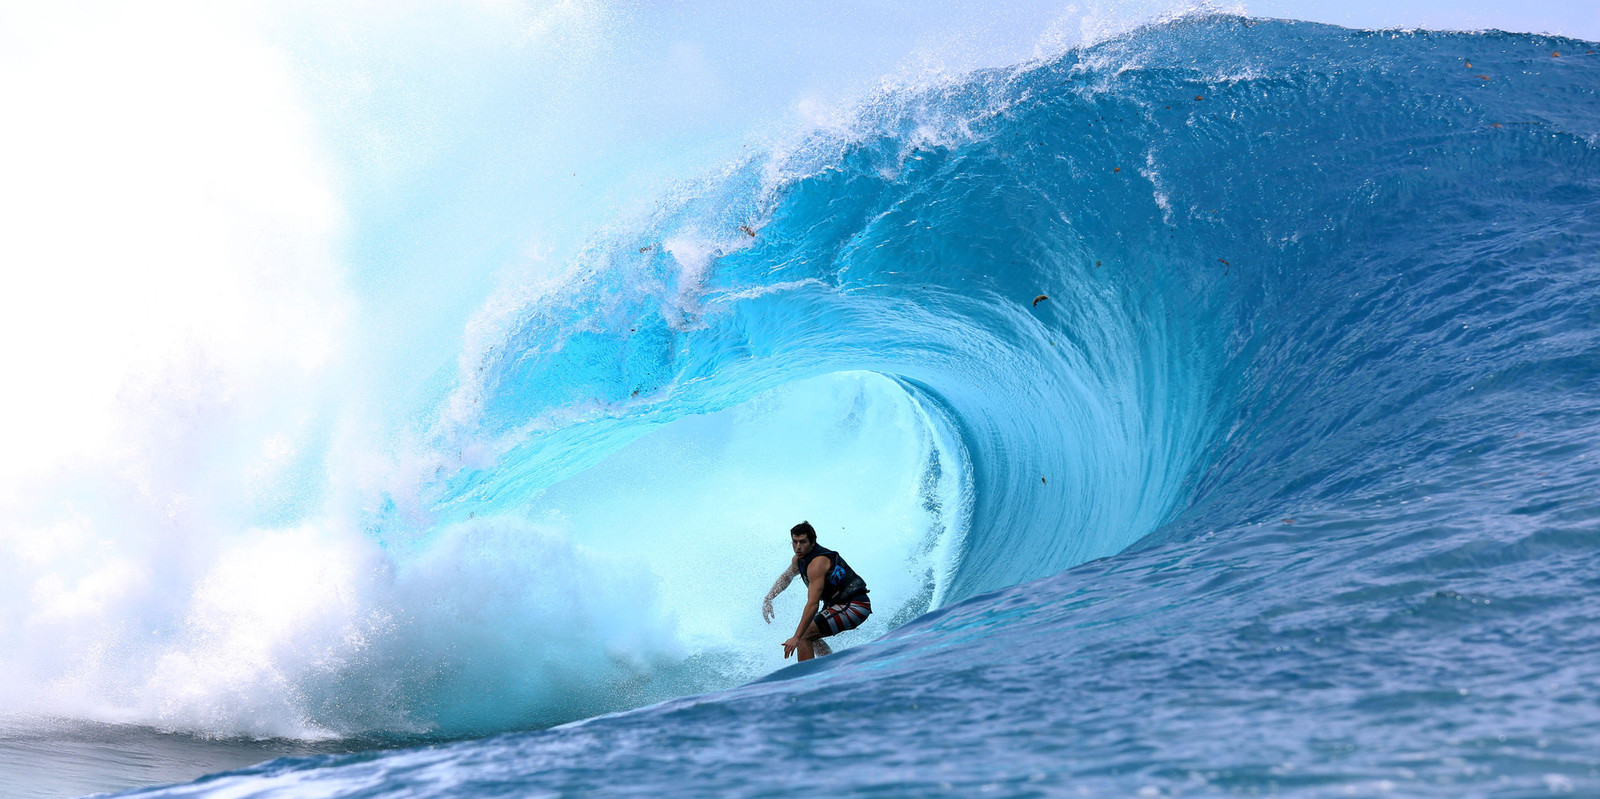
<point x="778" y="588"/>
<point x="816" y="575"/>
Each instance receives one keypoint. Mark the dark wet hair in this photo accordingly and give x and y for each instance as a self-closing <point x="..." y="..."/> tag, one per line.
<point x="805" y="529"/>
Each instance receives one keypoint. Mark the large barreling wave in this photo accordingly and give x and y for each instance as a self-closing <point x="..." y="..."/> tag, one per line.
<point x="1305" y="312"/>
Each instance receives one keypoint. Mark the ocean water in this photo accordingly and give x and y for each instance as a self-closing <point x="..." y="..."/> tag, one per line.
<point x="1213" y="410"/>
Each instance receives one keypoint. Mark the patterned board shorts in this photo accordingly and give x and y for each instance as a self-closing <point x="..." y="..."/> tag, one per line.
<point x="835" y="619"/>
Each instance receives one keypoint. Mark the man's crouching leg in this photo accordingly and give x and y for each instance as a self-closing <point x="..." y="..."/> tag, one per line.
<point x="811" y="644"/>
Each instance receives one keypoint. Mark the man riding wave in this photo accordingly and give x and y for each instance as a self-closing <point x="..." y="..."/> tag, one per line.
<point x="829" y="581"/>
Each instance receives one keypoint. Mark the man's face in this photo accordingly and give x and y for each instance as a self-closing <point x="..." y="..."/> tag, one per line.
<point x="801" y="544"/>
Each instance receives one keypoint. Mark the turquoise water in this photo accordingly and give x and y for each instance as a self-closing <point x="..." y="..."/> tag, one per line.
<point x="1287" y="487"/>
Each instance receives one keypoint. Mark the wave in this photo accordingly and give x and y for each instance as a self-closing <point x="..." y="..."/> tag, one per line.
<point x="1216" y="270"/>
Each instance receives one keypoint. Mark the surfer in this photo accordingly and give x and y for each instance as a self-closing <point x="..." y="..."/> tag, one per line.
<point x="830" y="581"/>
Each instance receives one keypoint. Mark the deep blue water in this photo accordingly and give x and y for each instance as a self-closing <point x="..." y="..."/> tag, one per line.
<point x="1288" y="487"/>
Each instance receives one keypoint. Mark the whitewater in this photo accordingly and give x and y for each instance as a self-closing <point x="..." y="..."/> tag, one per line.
<point x="1212" y="407"/>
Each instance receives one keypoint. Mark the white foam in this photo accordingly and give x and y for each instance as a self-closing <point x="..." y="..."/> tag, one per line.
<point x="591" y="598"/>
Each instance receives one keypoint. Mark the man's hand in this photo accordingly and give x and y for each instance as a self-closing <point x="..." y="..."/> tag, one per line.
<point x="766" y="610"/>
<point x="790" y="646"/>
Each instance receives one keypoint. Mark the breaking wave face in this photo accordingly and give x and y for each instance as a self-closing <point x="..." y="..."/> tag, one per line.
<point x="982" y="333"/>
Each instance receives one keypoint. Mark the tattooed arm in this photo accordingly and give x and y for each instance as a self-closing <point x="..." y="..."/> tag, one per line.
<point x="778" y="587"/>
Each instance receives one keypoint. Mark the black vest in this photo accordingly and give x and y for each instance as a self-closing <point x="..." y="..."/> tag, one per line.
<point x="842" y="583"/>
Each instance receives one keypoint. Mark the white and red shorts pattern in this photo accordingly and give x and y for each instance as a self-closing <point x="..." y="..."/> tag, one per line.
<point x="835" y="619"/>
